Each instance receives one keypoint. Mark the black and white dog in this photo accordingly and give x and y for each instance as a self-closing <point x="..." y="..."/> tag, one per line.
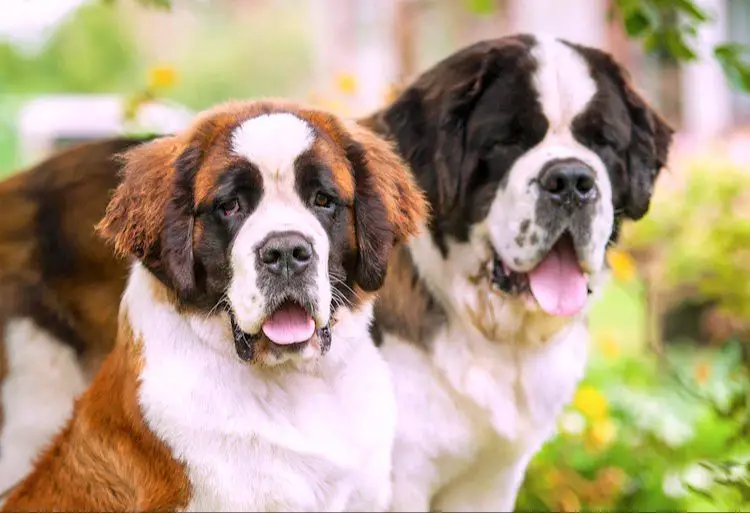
<point x="531" y="151"/>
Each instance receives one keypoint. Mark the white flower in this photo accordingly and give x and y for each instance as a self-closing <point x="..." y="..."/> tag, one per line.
<point x="674" y="432"/>
<point x="572" y="423"/>
<point x="698" y="477"/>
<point x="672" y="486"/>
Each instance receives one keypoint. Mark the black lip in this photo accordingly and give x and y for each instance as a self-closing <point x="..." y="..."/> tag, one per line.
<point x="507" y="281"/>
<point x="244" y="343"/>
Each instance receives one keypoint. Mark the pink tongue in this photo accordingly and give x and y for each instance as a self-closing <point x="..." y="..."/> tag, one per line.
<point x="557" y="282"/>
<point x="289" y="325"/>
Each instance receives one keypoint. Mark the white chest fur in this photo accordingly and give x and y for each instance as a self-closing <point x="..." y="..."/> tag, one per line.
<point x="473" y="412"/>
<point x="255" y="439"/>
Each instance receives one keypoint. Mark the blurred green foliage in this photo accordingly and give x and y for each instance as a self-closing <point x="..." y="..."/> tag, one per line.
<point x="663" y="441"/>
<point x="669" y="28"/>
<point x="91" y="52"/>
<point x="699" y="235"/>
<point x="98" y="50"/>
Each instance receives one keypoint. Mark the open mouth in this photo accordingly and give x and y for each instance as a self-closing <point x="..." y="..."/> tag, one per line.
<point x="557" y="283"/>
<point x="290" y="328"/>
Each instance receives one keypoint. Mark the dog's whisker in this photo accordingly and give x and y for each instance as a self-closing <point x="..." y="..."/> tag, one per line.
<point x="222" y="300"/>
<point x="341" y="282"/>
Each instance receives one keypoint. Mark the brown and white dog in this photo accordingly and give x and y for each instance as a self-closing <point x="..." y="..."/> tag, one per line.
<point x="531" y="152"/>
<point x="243" y="377"/>
<point x="60" y="289"/>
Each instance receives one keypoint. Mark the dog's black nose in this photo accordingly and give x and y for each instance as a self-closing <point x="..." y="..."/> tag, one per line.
<point x="568" y="182"/>
<point x="287" y="254"/>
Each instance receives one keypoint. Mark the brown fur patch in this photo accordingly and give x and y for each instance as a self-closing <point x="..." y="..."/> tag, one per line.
<point x="405" y="307"/>
<point x="106" y="458"/>
<point x="402" y="198"/>
<point x="53" y="268"/>
<point x="336" y="161"/>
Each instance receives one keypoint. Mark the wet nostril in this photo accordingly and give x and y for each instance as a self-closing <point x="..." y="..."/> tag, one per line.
<point x="585" y="184"/>
<point x="555" y="185"/>
<point x="271" y="256"/>
<point x="301" y="254"/>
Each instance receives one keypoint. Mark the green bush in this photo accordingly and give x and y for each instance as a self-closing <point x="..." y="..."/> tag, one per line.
<point x="645" y="434"/>
<point x="698" y="235"/>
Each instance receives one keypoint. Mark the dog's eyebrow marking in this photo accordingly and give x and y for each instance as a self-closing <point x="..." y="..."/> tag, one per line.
<point x="272" y="142"/>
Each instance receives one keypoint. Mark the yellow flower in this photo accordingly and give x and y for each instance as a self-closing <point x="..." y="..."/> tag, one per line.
<point x="568" y="501"/>
<point x="590" y="402"/>
<point x="602" y="433"/>
<point x="610" y="480"/>
<point x="609" y="346"/>
<point x="346" y="83"/>
<point x="702" y="373"/>
<point x="622" y="265"/>
<point x="161" y="77"/>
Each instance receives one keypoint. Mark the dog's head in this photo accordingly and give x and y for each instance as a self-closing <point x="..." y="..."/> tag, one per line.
<point x="275" y="213"/>
<point x="531" y="151"/>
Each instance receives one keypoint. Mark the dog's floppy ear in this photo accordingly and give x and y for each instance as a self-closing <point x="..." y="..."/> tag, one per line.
<point x="429" y="120"/>
<point x="388" y="205"/>
<point x="150" y="214"/>
<point x="650" y="139"/>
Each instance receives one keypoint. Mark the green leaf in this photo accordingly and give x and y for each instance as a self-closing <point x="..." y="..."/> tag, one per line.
<point x="733" y="60"/>
<point x="729" y="50"/>
<point x="483" y="7"/>
<point x="677" y="46"/>
<point x="700" y="492"/>
<point x="637" y="23"/>
<point x="691" y="10"/>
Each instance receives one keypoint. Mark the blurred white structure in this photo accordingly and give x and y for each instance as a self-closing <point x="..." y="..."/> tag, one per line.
<point x="707" y="100"/>
<point x="30" y="22"/>
<point x="48" y="122"/>
<point x="357" y="38"/>
<point x="581" y="21"/>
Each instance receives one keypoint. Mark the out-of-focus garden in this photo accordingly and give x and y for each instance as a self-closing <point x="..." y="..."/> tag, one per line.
<point x="662" y="419"/>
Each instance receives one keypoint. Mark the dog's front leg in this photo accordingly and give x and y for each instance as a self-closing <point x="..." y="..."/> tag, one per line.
<point x="491" y="486"/>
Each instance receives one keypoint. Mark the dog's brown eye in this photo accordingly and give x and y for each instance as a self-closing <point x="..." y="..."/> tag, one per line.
<point x="230" y="208"/>
<point x="323" y="200"/>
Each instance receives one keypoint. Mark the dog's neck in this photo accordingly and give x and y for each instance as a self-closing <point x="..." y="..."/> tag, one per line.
<point x="470" y="304"/>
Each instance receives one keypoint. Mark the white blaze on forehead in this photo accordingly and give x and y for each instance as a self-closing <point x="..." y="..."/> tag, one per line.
<point x="272" y="142"/>
<point x="563" y="81"/>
